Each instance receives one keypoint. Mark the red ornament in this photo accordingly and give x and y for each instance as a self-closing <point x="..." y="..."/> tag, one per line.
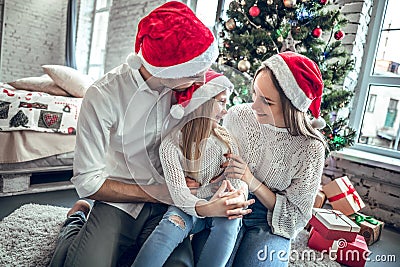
<point x="254" y="11"/>
<point x="339" y="35"/>
<point x="323" y="2"/>
<point x="317" y="32"/>
<point x="71" y="130"/>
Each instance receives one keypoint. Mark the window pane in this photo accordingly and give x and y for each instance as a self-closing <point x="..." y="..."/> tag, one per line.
<point x="98" y="46"/>
<point x="206" y="11"/>
<point x="380" y="126"/>
<point x="388" y="55"/>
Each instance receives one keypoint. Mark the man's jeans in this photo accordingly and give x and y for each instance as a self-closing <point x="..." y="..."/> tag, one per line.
<point x="176" y="225"/>
<point x="111" y="235"/>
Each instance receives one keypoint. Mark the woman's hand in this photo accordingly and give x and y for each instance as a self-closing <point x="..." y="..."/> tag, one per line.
<point x="236" y="168"/>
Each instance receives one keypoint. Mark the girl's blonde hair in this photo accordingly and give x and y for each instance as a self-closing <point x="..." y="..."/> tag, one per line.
<point x="199" y="128"/>
<point x="296" y="121"/>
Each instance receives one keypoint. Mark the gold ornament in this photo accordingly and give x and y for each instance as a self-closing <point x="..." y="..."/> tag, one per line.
<point x="243" y="3"/>
<point x="244" y="65"/>
<point x="230" y="24"/>
<point x="280" y="39"/>
<point x="270" y="2"/>
<point x="261" y="49"/>
<point x="289" y="3"/>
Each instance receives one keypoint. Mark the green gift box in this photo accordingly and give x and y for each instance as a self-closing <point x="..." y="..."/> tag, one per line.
<point x="370" y="228"/>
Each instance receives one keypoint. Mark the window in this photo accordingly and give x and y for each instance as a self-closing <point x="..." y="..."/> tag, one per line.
<point x="98" y="40"/>
<point x="371" y="103"/>
<point x="379" y="84"/>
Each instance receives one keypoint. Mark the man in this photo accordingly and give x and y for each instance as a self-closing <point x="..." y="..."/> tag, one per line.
<point x="118" y="134"/>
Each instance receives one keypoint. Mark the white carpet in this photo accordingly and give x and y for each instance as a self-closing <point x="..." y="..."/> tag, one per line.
<point x="28" y="237"/>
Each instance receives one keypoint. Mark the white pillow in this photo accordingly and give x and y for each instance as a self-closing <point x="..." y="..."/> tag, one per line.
<point x="39" y="84"/>
<point x="69" y="79"/>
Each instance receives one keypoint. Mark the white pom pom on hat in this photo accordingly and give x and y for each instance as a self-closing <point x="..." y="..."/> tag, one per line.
<point x="171" y="42"/>
<point x="177" y="111"/>
<point x="301" y="81"/>
<point x="134" y="61"/>
<point x="190" y="99"/>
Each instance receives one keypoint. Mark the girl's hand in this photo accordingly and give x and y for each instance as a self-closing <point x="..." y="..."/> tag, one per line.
<point x="236" y="168"/>
<point x="229" y="204"/>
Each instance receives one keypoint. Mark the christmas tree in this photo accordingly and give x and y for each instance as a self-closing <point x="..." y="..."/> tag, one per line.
<point x="258" y="29"/>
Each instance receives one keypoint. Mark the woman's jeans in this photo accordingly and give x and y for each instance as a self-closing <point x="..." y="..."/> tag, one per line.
<point x="176" y="225"/>
<point x="255" y="245"/>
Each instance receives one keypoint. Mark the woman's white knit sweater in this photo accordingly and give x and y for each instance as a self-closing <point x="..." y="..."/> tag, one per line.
<point x="172" y="159"/>
<point x="291" y="166"/>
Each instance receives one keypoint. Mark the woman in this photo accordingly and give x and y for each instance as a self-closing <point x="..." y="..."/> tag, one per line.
<point x="281" y="157"/>
<point x="197" y="151"/>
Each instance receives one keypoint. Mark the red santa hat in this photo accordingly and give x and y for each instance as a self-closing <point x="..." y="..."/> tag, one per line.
<point x="301" y="81"/>
<point x="171" y="42"/>
<point x="196" y="95"/>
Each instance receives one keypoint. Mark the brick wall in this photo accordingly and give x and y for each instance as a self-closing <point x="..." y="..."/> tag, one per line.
<point x="124" y="17"/>
<point x="33" y="35"/>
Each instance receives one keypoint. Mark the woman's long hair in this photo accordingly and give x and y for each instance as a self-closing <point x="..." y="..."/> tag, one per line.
<point x="199" y="128"/>
<point x="296" y="121"/>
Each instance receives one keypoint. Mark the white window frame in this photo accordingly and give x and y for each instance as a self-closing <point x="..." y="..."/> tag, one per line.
<point x="366" y="79"/>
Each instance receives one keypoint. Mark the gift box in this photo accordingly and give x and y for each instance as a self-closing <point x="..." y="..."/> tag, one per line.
<point x="320" y="199"/>
<point x="348" y="253"/>
<point x="333" y="225"/>
<point x="342" y="196"/>
<point x="371" y="228"/>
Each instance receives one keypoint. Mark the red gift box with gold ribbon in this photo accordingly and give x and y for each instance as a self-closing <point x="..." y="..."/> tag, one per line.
<point x="342" y="196"/>
<point x="332" y="225"/>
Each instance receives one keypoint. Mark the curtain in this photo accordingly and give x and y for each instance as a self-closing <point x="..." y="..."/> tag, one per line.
<point x="70" y="48"/>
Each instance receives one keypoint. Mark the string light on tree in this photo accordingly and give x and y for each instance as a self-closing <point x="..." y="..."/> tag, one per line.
<point x="270" y="2"/>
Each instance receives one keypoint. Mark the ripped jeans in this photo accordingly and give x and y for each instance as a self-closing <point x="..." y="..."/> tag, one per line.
<point x="176" y="225"/>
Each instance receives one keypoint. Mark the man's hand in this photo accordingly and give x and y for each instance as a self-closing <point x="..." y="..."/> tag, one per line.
<point x="158" y="193"/>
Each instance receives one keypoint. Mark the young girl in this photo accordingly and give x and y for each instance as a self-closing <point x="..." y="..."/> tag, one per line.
<point x="197" y="151"/>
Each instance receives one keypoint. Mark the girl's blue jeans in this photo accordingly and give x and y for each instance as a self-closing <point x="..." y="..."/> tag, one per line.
<point x="255" y="245"/>
<point x="176" y="225"/>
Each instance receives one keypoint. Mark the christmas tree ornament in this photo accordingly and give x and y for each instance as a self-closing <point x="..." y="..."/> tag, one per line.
<point x="270" y="2"/>
<point x="289" y="3"/>
<point x="317" y="32"/>
<point x="254" y="11"/>
<point x="237" y="100"/>
<point x="280" y="39"/>
<point x="339" y="35"/>
<point x="244" y="65"/>
<point x="261" y="49"/>
<point x="243" y="3"/>
<point x="230" y="24"/>
<point x="289" y="44"/>
<point x="234" y="6"/>
<point x="323" y="2"/>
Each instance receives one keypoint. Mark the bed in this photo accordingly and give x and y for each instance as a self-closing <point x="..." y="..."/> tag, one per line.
<point x="37" y="136"/>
